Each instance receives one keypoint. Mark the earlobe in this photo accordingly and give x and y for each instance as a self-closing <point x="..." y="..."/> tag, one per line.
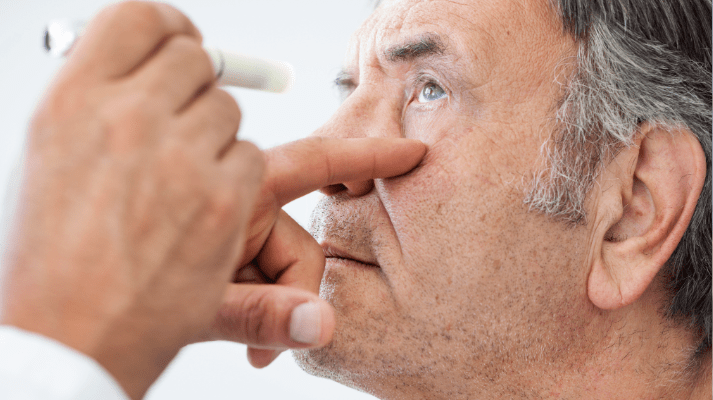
<point x="647" y="196"/>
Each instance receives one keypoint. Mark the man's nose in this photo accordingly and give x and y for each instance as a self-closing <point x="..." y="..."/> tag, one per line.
<point x="363" y="114"/>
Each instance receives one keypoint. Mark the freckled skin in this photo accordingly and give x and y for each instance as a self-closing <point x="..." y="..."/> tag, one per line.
<point x="476" y="297"/>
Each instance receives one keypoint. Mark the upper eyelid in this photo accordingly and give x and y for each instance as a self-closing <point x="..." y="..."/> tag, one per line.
<point x="344" y="81"/>
<point x="423" y="77"/>
<point x="421" y="80"/>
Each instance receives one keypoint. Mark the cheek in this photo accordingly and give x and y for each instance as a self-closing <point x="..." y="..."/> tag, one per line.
<point x="459" y="182"/>
<point x="433" y="213"/>
<point x="451" y="217"/>
<point x="416" y="202"/>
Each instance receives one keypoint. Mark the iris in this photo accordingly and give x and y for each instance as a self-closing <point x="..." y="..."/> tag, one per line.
<point x="431" y="92"/>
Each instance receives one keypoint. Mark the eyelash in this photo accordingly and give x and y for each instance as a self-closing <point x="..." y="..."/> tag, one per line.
<point x="345" y="85"/>
<point x="423" y="80"/>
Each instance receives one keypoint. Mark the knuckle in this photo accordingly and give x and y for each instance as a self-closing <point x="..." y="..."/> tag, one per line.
<point x="187" y="46"/>
<point x="252" y="153"/>
<point x="184" y="51"/>
<point x="258" y="318"/>
<point x="228" y="108"/>
<point x="142" y="16"/>
<point x="148" y="18"/>
<point x="253" y="159"/>
<point x="202" y="57"/>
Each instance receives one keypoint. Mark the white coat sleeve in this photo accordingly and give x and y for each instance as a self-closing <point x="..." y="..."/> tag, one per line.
<point x="34" y="367"/>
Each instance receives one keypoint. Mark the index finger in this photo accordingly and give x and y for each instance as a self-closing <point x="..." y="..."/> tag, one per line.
<point x="298" y="168"/>
<point x="123" y="35"/>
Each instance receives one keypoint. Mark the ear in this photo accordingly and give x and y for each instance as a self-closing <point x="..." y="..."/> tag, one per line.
<point x="647" y="197"/>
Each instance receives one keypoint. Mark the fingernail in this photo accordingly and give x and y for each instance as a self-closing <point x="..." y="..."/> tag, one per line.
<point x="306" y="323"/>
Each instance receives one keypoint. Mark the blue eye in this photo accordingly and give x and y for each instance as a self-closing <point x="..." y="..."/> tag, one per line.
<point x="431" y="92"/>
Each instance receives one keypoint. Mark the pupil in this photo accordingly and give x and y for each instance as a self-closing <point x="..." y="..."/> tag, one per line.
<point x="429" y="91"/>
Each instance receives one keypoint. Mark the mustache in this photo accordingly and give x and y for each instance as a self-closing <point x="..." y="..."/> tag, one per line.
<point x="348" y="220"/>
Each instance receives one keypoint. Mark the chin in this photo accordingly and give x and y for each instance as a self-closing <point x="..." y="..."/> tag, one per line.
<point x="326" y="363"/>
<point x="331" y="363"/>
<point x="363" y="320"/>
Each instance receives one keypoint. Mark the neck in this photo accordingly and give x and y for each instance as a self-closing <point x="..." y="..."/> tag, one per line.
<point x="702" y="387"/>
<point x="669" y="376"/>
<point x="642" y="355"/>
<point x="635" y="358"/>
<point x="610" y="382"/>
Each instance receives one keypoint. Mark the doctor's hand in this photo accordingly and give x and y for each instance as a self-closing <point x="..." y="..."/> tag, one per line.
<point x="136" y="197"/>
<point x="273" y="303"/>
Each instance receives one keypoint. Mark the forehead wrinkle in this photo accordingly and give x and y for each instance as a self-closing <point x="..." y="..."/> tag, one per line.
<point x="410" y="33"/>
<point x="439" y="35"/>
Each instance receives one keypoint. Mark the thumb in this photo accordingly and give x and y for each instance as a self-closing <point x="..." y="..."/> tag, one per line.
<point x="273" y="317"/>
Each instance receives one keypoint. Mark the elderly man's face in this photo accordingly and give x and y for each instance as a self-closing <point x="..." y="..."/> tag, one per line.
<point x="457" y="282"/>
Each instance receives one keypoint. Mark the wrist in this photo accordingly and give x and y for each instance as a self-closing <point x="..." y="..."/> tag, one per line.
<point x="134" y="362"/>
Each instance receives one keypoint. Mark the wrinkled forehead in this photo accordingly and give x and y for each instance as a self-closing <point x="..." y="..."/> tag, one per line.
<point x="485" y="31"/>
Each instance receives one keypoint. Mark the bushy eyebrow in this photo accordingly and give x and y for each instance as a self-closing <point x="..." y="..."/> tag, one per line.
<point x="418" y="47"/>
<point x="421" y="46"/>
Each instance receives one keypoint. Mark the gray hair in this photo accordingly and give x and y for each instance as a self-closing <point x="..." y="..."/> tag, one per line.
<point x="638" y="60"/>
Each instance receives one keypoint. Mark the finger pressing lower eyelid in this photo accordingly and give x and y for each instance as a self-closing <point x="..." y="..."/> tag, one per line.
<point x="211" y="121"/>
<point x="310" y="164"/>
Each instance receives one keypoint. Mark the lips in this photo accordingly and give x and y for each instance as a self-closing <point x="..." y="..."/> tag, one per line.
<point x="333" y="251"/>
<point x="347" y="230"/>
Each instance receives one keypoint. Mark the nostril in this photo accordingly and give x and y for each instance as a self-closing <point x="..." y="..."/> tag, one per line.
<point x="353" y="189"/>
<point x="359" y="188"/>
<point x="331" y="190"/>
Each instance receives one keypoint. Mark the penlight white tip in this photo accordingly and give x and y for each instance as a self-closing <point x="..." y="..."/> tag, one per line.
<point x="251" y="72"/>
<point x="230" y="69"/>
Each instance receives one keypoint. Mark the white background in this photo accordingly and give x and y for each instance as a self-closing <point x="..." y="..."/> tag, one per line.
<point x="311" y="35"/>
